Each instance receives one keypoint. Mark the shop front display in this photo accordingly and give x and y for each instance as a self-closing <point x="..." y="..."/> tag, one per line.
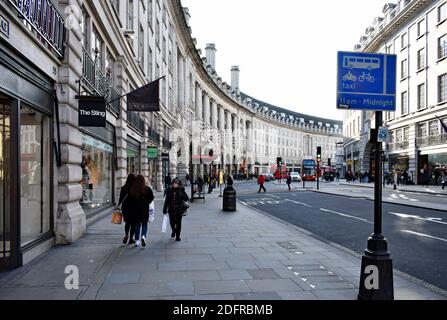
<point x="97" y="170"/>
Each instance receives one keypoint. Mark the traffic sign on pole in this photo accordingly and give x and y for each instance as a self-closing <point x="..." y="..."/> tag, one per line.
<point x="366" y="81"/>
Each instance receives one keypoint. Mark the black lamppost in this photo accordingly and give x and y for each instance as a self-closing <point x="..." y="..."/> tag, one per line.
<point x="376" y="274"/>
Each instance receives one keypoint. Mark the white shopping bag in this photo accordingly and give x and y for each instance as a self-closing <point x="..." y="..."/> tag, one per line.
<point x="151" y="213"/>
<point x="164" y="225"/>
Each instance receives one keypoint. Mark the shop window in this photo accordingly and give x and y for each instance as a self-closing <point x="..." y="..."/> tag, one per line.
<point x="35" y="185"/>
<point x="97" y="174"/>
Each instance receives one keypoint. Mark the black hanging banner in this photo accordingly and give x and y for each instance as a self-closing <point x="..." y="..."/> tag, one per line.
<point x="92" y="111"/>
<point x="145" y="99"/>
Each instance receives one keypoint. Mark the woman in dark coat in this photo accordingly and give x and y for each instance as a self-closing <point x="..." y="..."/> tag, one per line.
<point x="140" y="197"/>
<point x="128" y="215"/>
<point x="174" y="206"/>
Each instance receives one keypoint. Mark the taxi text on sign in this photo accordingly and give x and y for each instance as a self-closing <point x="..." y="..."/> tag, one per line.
<point x="366" y="81"/>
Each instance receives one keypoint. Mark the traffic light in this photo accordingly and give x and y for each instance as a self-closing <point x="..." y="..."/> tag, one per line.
<point x="319" y="154"/>
<point x="279" y="161"/>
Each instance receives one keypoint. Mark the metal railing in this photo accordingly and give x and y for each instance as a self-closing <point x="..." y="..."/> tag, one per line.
<point x="431" y="140"/>
<point x="153" y="134"/>
<point x="44" y="17"/>
<point x="99" y="83"/>
<point x="135" y="121"/>
<point x="399" y="145"/>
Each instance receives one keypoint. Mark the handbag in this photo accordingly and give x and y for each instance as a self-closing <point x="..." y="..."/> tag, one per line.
<point x="164" y="225"/>
<point x="151" y="212"/>
<point x="117" y="215"/>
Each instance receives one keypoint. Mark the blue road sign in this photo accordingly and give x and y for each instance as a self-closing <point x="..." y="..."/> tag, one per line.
<point x="366" y="81"/>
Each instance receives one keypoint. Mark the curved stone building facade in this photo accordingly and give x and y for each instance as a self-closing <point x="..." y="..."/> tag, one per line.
<point x="109" y="48"/>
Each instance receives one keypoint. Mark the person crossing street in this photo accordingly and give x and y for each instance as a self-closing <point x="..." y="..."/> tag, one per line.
<point x="261" y="181"/>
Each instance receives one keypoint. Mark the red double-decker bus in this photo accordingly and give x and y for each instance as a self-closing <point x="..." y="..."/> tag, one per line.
<point x="309" y="170"/>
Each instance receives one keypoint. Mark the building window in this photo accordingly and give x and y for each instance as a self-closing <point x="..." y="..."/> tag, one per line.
<point x="421" y="27"/>
<point x="35" y="165"/>
<point x="130" y="14"/>
<point x="141" y="46"/>
<point x="442" y="12"/>
<point x="97" y="48"/>
<point x="433" y="128"/>
<point x="149" y="64"/>
<point x="421" y="96"/>
<point x="442" y="47"/>
<point x="403" y="69"/>
<point x="422" y="129"/>
<point x="406" y="133"/>
<point x="97" y="174"/>
<point x="442" y="88"/>
<point x="403" y="40"/>
<point x="404" y="103"/>
<point x="421" y="58"/>
<point x="84" y="28"/>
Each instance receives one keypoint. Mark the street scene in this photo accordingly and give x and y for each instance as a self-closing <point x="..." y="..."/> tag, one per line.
<point x="179" y="150"/>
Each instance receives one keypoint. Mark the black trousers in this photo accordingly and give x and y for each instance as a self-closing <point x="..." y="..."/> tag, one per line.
<point x="129" y="227"/>
<point x="176" y="223"/>
<point x="262" y="187"/>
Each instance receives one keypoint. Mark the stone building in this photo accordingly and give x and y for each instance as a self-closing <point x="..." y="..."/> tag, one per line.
<point x="56" y="176"/>
<point x="415" y="31"/>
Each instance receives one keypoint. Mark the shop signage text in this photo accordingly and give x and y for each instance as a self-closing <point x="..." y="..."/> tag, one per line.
<point x="92" y="111"/>
<point x="4" y="26"/>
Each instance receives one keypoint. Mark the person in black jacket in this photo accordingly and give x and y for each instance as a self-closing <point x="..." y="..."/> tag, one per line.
<point x="128" y="215"/>
<point x="174" y="206"/>
<point x="140" y="197"/>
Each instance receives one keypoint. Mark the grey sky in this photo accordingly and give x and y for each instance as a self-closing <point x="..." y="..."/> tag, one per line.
<point x="286" y="49"/>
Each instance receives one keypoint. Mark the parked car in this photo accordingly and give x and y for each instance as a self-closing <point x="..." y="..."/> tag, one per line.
<point x="296" y="176"/>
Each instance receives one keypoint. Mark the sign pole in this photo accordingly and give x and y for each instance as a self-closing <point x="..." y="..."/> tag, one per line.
<point x="376" y="275"/>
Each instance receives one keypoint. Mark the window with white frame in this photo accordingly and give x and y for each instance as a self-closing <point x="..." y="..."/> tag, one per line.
<point x="433" y="128"/>
<point x="141" y="46"/>
<point x="421" y="59"/>
<point x="442" y="47"/>
<point x="406" y="133"/>
<point x="421" y="27"/>
<point x="442" y="88"/>
<point x="422" y="129"/>
<point x="130" y="14"/>
<point x="403" y="40"/>
<point x="421" y="96"/>
<point x="442" y="12"/>
<point x="404" y="102"/>
<point x="403" y="69"/>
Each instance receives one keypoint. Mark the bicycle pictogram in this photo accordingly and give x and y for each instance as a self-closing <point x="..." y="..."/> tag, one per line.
<point x="366" y="76"/>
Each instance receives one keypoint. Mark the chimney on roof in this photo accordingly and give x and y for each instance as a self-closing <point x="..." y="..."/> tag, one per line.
<point x="235" y="78"/>
<point x="211" y="55"/>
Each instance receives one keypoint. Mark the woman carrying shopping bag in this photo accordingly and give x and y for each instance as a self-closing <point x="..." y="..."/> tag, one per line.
<point x="140" y="198"/>
<point x="174" y="205"/>
<point x="128" y="215"/>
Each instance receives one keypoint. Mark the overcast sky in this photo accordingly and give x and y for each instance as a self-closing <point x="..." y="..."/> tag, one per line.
<point x="286" y="49"/>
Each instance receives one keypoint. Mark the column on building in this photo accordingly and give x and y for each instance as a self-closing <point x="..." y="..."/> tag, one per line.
<point x="181" y="83"/>
<point x="229" y="136"/>
<point x="214" y="117"/>
<point x="206" y="111"/>
<point x="413" y="165"/>
<point x="70" y="221"/>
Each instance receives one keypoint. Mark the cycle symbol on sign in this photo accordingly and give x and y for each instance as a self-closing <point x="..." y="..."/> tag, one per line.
<point x="366" y="76"/>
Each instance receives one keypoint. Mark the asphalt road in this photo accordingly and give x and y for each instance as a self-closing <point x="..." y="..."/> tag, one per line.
<point x="417" y="237"/>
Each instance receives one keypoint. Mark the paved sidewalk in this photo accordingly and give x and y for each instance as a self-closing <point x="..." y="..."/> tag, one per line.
<point x="222" y="255"/>
<point x="434" y="190"/>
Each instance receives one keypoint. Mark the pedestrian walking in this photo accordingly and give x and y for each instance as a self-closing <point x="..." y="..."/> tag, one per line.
<point x="168" y="181"/>
<point x="444" y="179"/>
<point x="174" y="206"/>
<point x="338" y="176"/>
<point x="187" y="179"/>
<point x="289" y="181"/>
<point x="140" y="197"/>
<point x="129" y="215"/>
<point x="261" y="181"/>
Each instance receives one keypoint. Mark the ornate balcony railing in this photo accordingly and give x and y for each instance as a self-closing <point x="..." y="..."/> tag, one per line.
<point x="134" y="119"/>
<point x="400" y="145"/>
<point x="153" y="134"/>
<point x="45" y="19"/>
<point x="99" y="83"/>
<point x="432" y="140"/>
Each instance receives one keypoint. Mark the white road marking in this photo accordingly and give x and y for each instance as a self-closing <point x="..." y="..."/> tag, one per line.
<point x="423" y="235"/>
<point x="404" y="216"/>
<point x="297" y="202"/>
<point x="346" y="215"/>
